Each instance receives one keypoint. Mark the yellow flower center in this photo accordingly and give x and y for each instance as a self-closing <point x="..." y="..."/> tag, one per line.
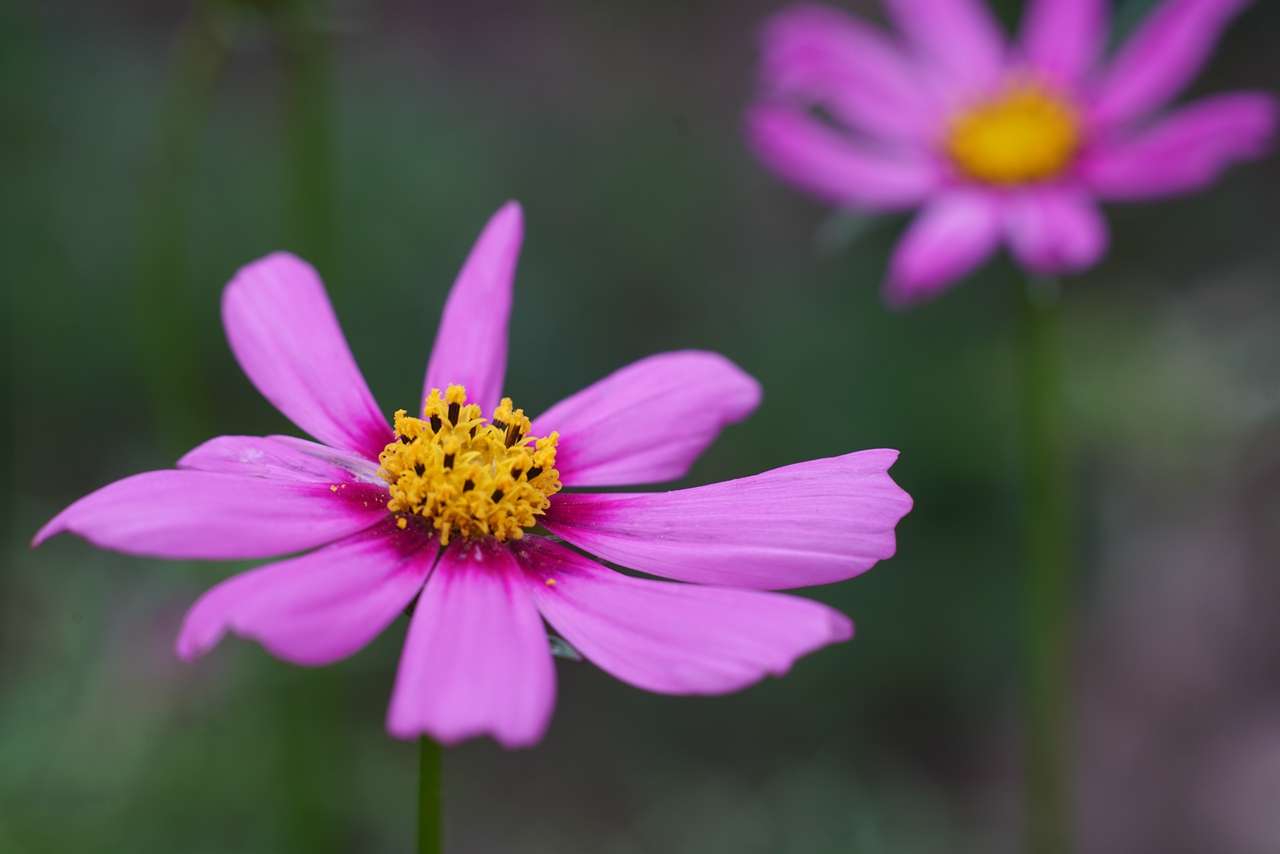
<point x="1027" y="134"/>
<point x="466" y="475"/>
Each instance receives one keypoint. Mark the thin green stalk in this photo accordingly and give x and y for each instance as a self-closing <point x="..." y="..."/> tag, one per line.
<point x="166" y="332"/>
<point x="430" y="831"/>
<point x="303" y="45"/>
<point x="1047" y="579"/>
<point x="308" y="102"/>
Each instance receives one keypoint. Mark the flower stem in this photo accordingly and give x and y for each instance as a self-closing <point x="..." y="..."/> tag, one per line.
<point x="429" y="826"/>
<point x="1046" y="623"/>
<point x="302" y="28"/>
<point x="166" y="325"/>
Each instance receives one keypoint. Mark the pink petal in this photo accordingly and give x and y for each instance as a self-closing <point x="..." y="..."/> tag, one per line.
<point x="805" y="524"/>
<point x="286" y="338"/>
<point x="955" y="233"/>
<point x="1055" y="230"/>
<point x="197" y="514"/>
<point x="832" y="165"/>
<point x="317" y="608"/>
<point x="648" y="421"/>
<point x="826" y="57"/>
<point x="1062" y="39"/>
<point x="958" y="38"/>
<point x="1161" y="58"/>
<point x="476" y="661"/>
<point x="1186" y="151"/>
<point x="674" y="638"/>
<point x="471" y="344"/>
<point x="280" y="458"/>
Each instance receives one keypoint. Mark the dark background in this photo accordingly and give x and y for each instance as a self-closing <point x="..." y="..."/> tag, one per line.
<point x="149" y="149"/>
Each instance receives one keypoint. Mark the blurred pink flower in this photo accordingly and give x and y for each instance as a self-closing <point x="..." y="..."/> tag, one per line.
<point x="442" y="509"/>
<point x="997" y="143"/>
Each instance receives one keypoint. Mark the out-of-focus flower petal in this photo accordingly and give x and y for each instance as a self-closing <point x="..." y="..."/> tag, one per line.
<point x="800" y="525"/>
<point x="648" y="421"/>
<point x="669" y="637"/>
<point x="1161" y="58"/>
<point x="959" y="39"/>
<point x="471" y="344"/>
<point x="317" y="608"/>
<point x="199" y="514"/>
<point x="954" y="233"/>
<point x="833" y="166"/>
<point x="1062" y="39"/>
<point x="1184" y="152"/>
<point x="286" y="338"/>
<point x="826" y="57"/>
<point x="280" y="458"/>
<point x="476" y="661"/>
<point x="1055" y="230"/>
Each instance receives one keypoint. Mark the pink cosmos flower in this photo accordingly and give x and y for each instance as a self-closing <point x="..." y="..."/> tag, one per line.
<point x="466" y="514"/>
<point x="997" y="143"/>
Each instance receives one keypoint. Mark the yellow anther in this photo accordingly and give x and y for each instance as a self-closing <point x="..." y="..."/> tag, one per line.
<point x="1027" y="134"/>
<point x="551" y="582"/>
<point x="466" y="475"/>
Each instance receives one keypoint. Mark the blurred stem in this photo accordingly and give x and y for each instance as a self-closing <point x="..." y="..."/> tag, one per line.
<point x="309" y="130"/>
<point x="429" y="826"/>
<point x="165" y="329"/>
<point x="1047" y="578"/>
<point x="295" y="26"/>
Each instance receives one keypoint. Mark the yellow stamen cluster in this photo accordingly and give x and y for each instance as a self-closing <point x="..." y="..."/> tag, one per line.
<point x="466" y="475"/>
<point x="1025" y="135"/>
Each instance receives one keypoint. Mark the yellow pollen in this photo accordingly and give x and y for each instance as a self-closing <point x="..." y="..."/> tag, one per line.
<point x="1027" y="134"/>
<point x="466" y="475"/>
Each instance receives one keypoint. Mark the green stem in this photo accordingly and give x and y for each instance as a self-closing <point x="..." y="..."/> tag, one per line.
<point x="309" y="130"/>
<point x="297" y="29"/>
<point x="429" y="826"/>
<point x="1047" y="589"/>
<point x="166" y="331"/>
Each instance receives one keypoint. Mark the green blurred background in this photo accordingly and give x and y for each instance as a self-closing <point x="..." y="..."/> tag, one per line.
<point x="150" y="148"/>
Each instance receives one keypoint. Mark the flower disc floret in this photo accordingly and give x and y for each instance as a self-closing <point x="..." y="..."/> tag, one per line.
<point x="1026" y="134"/>
<point x="466" y="475"/>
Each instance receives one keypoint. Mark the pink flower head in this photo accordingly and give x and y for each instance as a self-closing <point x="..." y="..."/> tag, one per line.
<point x="462" y="509"/>
<point x="997" y="143"/>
